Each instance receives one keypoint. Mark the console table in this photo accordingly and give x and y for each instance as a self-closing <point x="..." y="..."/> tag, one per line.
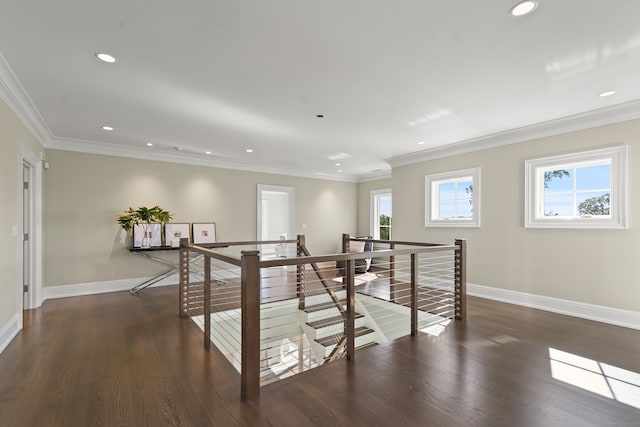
<point x="152" y="254"/>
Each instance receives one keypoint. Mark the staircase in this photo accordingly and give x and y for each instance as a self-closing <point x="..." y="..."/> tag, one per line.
<point x="323" y="324"/>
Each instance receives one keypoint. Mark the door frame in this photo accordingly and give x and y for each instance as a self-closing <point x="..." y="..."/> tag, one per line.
<point x="292" y="208"/>
<point x="35" y="294"/>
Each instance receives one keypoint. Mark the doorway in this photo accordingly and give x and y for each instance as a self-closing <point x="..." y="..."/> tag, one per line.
<point x="276" y="219"/>
<point x="29" y="231"/>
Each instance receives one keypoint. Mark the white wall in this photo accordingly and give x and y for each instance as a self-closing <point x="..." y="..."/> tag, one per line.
<point x="84" y="193"/>
<point x="588" y="266"/>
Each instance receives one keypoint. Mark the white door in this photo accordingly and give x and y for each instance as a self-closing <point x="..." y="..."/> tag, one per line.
<point x="276" y="219"/>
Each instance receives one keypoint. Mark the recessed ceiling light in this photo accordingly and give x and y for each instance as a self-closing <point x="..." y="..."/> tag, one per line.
<point x="249" y="150"/>
<point x="105" y="57"/>
<point x="607" y="93"/>
<point x="420" y="142"/>
<point x="149" y="144"/>
<point x="523" y="8"/>
<point x="340" y="170"/>
<point x="338" y="164"/>
<point x="207" y="152"/>
<point x="107" y="128"/>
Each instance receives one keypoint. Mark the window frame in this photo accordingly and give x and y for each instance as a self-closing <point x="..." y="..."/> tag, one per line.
<point x="374" y="219"/>
<point x="534" y="189"/>
<point x="430" y="203"/>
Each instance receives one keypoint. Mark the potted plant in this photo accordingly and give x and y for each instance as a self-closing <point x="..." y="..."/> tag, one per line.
<point x="143" y="216"/>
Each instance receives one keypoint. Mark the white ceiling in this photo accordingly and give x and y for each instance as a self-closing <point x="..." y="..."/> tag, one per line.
<point x="225" y="76"/>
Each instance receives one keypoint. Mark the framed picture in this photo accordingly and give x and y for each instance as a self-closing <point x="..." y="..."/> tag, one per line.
<point x="154" y="235"/>
<point x="203" y="232"/>
<point x="175" y="231"/>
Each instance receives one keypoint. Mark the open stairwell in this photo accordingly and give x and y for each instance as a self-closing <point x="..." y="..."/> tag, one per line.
<point x="323" y="324"/>
<point x="293" y="340"/>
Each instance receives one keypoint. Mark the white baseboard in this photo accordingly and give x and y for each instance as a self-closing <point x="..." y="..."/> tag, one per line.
<point x="599" y="313"/>
<point x="78" y="289"/>
<point x="9" y="331"/>
<point x="614" y="316"/>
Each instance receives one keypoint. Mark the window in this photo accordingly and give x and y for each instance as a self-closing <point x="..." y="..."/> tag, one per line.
<point x="580" y="190"/>
<point x="381" y="214"/>
<point x="452" y="199"/>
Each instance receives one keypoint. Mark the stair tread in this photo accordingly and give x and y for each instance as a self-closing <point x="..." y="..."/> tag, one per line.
<point x="333" y="340"/>
<point x="331" y="321"/>
<point x="322" y="306"/>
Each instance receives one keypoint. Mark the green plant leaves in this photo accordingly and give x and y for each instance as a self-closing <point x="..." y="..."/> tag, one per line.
<point x="143" y="215"/>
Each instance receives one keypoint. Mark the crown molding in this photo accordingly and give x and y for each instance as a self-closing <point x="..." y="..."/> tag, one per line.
<point x="116" y="150"/>
<point x="17" y="99"/>
<point x="590" y="119"/>
<point x="374" y="176"/>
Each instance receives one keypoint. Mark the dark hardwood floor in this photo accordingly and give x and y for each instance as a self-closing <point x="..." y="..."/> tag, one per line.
<point x="122" y="360"/>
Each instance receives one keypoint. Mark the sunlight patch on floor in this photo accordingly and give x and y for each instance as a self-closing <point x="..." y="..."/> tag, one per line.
<point x="588" y="374"/>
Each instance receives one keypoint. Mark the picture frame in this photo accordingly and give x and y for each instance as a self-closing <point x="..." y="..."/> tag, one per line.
<point x="154" y="234"/>
<point x="176" y="231"/>
<point x="203" y="233"/>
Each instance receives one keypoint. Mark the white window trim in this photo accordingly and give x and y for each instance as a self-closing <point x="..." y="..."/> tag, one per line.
<point x="430" y="221"/>
<point x="373" y="211"/>
<point x="534" y="190"/>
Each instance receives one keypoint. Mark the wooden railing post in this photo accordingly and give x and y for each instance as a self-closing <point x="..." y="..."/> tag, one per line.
<point x="345" y="249"/>
<point x="349" y="321"/>
<point x="250" y="306"/>
<point x="300" y="279"/>
<point x="414" y="295"/>
<point x="392" y="275"/>
<point x="183" y="292"/>
<point x="461" y="279"/>
<point x="207" y="301"/>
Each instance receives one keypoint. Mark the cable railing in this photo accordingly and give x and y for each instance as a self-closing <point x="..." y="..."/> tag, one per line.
<point x="273" y="318"/>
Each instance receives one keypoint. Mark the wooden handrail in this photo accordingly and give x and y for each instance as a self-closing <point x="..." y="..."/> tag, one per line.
<point x="231" y="259"/>
<point x="308" y="259"/>
<point x="205" y="248"/>
<point x="246" y="243"/>
<point x="352" y="256"/>
<point x="393" y="242"/>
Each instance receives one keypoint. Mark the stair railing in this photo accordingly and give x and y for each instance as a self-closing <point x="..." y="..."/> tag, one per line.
<point x="251" y="265"/>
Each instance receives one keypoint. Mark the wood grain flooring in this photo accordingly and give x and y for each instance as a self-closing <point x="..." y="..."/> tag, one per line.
<point x="121" y="360"/>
